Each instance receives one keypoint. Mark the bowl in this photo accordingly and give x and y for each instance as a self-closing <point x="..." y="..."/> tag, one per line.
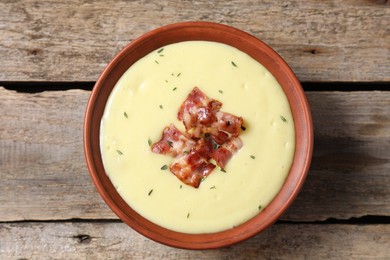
<point x="258" y="50"/>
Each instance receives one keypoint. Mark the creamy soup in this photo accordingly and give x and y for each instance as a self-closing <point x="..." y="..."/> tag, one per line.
<point x="147" y="98"/>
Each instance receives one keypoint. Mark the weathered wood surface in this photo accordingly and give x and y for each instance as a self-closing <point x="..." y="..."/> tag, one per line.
<point x="333" y="40"/>
<point x="44" y="176"/>
<point x="117" y="241"/>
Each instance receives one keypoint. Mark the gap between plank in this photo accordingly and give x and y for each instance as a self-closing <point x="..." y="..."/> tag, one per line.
<point x="37" y="87"/>
<point x="368" y="219"/>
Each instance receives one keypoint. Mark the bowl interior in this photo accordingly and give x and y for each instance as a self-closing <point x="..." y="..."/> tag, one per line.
<point x="207" y="32"/>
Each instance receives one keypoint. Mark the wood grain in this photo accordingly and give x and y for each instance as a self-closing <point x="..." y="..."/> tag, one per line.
<point x="322" y="40"/>
<point x="44" y="176"/>
<point x="117" y="241"/>
<point x="350" y="172"/>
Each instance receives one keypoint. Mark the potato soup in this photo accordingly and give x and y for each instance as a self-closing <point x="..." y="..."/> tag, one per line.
<point x="146" y="99"/>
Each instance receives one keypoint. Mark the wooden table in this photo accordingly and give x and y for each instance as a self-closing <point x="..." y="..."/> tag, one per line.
<point x="52" y="52"/>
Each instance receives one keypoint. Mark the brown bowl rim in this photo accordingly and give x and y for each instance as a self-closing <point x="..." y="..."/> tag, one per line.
<point x="210" y="31"/>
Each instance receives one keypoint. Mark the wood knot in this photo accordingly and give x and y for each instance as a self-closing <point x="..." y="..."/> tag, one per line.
<point x="35" y="52"/>
<point x="312" y="51"/>
<point x="83" y="239"/>
<point x="380" y="2"/>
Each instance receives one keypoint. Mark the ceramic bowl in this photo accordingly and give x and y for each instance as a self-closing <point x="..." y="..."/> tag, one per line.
<point x="208" y="32"/>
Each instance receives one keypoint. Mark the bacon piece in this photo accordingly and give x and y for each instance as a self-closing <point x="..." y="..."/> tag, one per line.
<point x="191" y="168"/>
<point x="228" y="123"/>
<point x="197" y="112"/>
<point x="173" y="142"/>
<point x="210" y="134"/>
<point x="225" y="127"/>
<point x="222" y="155"/>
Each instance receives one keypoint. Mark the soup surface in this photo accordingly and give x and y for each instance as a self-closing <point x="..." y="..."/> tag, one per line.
<point x="147" y="98"/>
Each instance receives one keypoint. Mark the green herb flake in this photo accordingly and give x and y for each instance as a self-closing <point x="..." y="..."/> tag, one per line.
<point x="185" y="152"/>
<point x="166" y="81"/>
<point x="223" y="170"/>
<point x="149" y="142"/>
<point x="283" y="119"/>
<point x="178" y="74"/>
<point x="172" y="74"/>
<point x="220" y="91"/>
<point x="174" y="88"/>
<point x="259" y="207"/>
<point x="164" y="167"/>
<point x="156" y="62"/>
<point x="253" y="157"/>
<point x="181" y="186"/>
<point x="125" y="114"/>
<point x="161" y="55"/>
<point x="160" y="50"/>
<point x="119" y="152"/>
<point x="212" y="187"/>
<point x="150" y="192"/>
<point x="243" y="128"/>
<point x="202" y="180"/>
<point x="234" y="64"/>
<point x="170" y="143"/>
<point x="161" y="106"/>
<point x="188" y="215"/>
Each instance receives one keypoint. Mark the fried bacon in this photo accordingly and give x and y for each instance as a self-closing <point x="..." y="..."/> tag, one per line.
<point x="228" y="123"/>
<point x="173" y="142"/>
<point x="191" y="168"/>
<point x="222" y="154"/>
<point x="198" y="112"/>
<point x="210" y="134"/>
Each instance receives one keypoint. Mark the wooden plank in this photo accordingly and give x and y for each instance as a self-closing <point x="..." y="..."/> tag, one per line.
<point x="350" y="172"/>
<point x="333" y="40"/>
<point x="44" y="175"/>
<point x="115" y="240"/>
